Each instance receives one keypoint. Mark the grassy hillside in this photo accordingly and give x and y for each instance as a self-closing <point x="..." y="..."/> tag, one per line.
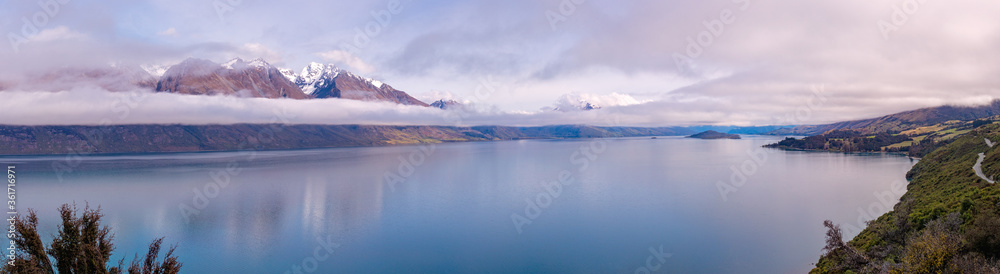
<point x="902" y="121"/>
<point x="916" y="141"/>
<point x="23" y="140"/>
<point x="947" y="222"/>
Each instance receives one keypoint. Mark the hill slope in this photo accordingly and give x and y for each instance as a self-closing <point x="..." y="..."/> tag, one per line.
<point x="237" y="77"/>
<point x="902" y="121"/>
<point x="947" y="222"/>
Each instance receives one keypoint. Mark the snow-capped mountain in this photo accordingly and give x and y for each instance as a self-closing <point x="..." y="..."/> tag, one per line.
<point x="575" y="105"/>
<point x="328" y="81"/>
<point x="255" y="78"/>
<point x="289" y="74"/>
<point x="316" y="76"/>
<point x="575" y="101"/>
<point x="155" y="70"/>
<point x="446" y="104"/>
<point x="236" y="77"/>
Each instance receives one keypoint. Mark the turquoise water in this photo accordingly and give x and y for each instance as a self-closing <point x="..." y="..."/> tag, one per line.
<point x="608" y="205"/>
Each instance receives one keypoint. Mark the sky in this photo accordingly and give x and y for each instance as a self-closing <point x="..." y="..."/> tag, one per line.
<point x="647" y="63"/>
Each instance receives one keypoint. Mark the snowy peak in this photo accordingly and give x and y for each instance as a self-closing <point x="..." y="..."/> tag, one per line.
<point x="238" y="64"/>
<point x="192" y="66"/>
<point x="316" y="76"/>
<point x="236" y="77"/>
<point x="289" y="74"/>
<point x="155" y="70"/>
<point x="315" y="72"/>
<point x="446" y="104"/>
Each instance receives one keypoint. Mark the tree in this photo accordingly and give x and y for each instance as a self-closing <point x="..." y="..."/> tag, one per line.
<point x="81" y="246"/>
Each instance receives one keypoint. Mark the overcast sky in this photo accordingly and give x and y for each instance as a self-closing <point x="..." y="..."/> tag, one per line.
<point x="740" y="62"/>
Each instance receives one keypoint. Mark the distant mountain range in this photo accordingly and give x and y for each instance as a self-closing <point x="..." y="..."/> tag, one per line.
<point x="902" y="121"/>
<point x="41" y="140"/>
<point x="916" y="132"/>
<point x="237" y="77"/>
<point x="257" y="78"/>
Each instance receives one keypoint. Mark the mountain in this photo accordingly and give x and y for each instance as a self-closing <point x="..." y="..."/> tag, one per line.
<point x="39" y="140"/>
<point x="755" y="130"/>
<point x="113" y="78"/>
<point x="712" y="135"/>
<point x="574" y="106"/>
<point x="947" y="222"/>
<point x="914" y="132"/>
<point x="328" y="81"/>
<point x="446" y="104"/>
<point x="317" y="80"/>
<point x="902" y="121"/>
<point x="237" y="77"/>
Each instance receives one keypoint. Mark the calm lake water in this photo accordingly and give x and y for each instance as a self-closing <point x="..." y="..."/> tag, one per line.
<point x="477" y="207"/>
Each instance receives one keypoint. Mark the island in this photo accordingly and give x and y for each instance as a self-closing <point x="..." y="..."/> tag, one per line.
<point x="712" y="135"/>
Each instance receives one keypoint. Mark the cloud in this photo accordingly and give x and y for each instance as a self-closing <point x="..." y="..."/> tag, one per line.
<point x="168" y="32"/>
<point x="93" y="105"/>
<point x="579" y="101"/>
<point x="256" y="50"/>
<point x="60" y="33"/>
<point x="347" y="59"/>
<point x="758" y="63"/>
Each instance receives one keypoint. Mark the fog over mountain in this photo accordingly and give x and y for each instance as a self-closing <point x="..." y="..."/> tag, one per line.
<point x="723" y="62"/>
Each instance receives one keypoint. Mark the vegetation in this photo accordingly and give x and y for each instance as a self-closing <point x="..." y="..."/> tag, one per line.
<point x="711" y="135"/>
<point x="947" y="222"/>
<point x="81" y="246"/>
<point x="843" y="141"/>
<point x="915" y="141"/>
<point x="38" y="140"/>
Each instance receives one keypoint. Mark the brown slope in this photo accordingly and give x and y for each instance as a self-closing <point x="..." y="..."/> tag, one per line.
<point x="350" y="86"/>
<point x="203" y="77"/>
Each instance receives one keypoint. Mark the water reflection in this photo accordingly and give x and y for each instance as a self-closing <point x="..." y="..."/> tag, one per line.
<point x="453" y="214"/>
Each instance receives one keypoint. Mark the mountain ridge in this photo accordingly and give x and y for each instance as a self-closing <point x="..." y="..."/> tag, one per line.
<point x="901" y="121"/>
<point x="48" y="140"/>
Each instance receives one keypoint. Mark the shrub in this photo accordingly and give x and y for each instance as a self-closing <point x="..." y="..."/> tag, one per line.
<point x="81" y="246"/>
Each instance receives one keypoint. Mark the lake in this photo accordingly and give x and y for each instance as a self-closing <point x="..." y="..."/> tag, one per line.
<point x="618" y="205"/>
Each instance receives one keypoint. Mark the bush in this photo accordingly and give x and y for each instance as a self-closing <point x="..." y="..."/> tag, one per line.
<point x="932" y="250"/>
<point x="984" y="234"/>
<point x="81" y="246"/>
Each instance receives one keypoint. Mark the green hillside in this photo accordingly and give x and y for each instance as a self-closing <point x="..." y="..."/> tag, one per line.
<point x="947" y="222"/>
<point x="914" y="140"/>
